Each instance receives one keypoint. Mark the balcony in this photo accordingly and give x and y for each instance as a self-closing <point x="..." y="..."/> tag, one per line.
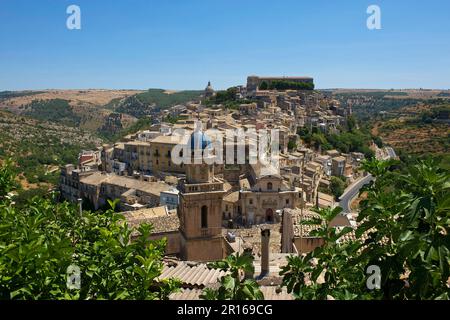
<point x="201" y="187"/>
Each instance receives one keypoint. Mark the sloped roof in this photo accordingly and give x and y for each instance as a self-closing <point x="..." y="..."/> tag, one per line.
<point x="297" y="217"/>
<point x="192" y="274"/>
<point x="269" y="292"/>
<point x="261" y="171"/>
<point x="232" y="197"/>
<point x="158" y="217"/>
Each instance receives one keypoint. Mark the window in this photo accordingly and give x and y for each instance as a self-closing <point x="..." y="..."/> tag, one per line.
<point x="168" y="163"/>
<point x="287" y="201"/>
<point x="269" y="186"/>
<point x="226" y="207"/>
<point x="204" y="217"/>
<point x="157" y="162"/>
<point x="168" y="153"/>
<point x="250" y="201"/>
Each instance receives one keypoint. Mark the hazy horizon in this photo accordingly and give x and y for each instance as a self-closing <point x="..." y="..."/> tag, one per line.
<point x="200" y="89"/>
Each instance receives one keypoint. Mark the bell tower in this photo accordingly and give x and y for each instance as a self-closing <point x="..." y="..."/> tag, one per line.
<point x="201" y="204"/>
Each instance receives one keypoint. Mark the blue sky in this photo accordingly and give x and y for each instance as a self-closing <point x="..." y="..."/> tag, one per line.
<point x="181" y="44"/>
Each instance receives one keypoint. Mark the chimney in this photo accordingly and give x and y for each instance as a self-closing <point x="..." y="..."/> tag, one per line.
<point x="80" y="206"/>
<point x="265" y="238"/>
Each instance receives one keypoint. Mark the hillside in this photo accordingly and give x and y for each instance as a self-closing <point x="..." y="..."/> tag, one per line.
<point x="38" y="148"/>
<point x="14" y="99"/>
<point x="423" y="129"/>
<point x="151" y="101"/>
<point x="367" y="104"/>
<point x="103" y="112"/>
<point x="78" y="108"/>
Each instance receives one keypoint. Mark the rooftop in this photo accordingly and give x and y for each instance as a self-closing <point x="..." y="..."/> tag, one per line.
<point x="145" y="186"/>
<point x="191" y="274"/>
<point x="298" y="217"/>
<point x="232" y="197"/>
<point x="340" y="158"/>
<point x="159" y="217"/>
<point x="269" y="292"/>
<point x="172" y="139"/>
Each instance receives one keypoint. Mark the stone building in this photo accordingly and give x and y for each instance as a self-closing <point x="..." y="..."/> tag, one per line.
<point x="248" y="108"/>
<point x="230" y="205"/>
<point x="165" y="226"/>
<point x="97" y="187"/>
<point x="200" y="209"/>
<point x="161" y="154"/>
<point x="264" y="194"/>
<point x="169" y="199"/>
<point x="209" y="91"/>
<point x="338" y="166"/>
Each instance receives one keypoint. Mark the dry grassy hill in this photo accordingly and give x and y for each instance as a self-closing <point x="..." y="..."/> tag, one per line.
<point x="94" y="98"/>
<point x="80" y="108"/>
<point x="421" y="129"/>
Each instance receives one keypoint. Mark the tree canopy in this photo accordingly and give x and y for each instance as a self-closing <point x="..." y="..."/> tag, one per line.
<point x="403" y="229"/>
<point x="43" y="243"/>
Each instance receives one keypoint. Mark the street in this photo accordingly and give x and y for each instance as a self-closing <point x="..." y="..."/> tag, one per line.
<point x="353" y="190"/>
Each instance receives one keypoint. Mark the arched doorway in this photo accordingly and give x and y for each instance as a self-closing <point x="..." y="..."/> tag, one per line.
<point x="269" y="215"/>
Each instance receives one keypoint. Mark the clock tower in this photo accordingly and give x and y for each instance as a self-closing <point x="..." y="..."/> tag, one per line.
<point x="201" y="204"/>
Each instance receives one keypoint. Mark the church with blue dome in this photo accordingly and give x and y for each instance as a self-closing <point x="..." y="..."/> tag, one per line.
<point x="200" y="208"/>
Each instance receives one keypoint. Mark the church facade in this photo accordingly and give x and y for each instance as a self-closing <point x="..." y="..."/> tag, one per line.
<point x="264" y="194"/>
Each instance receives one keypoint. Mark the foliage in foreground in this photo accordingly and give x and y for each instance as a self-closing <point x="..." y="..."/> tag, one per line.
<point x="403" y="229"/>
<point x="39" y="241"/>
<point x="234" y="286"/>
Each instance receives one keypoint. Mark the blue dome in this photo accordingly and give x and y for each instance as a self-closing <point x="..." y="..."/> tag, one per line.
<point x="199" y="140"/>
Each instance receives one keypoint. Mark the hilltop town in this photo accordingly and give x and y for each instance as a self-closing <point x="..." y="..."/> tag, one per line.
<point x="208" y="211"/>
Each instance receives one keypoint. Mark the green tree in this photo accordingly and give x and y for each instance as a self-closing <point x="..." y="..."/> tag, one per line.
<point x="337" y="187"/>
<point x="7" y="183"/>
<point x="319" y="140"/>
<point x="351" y="123"/>
<point x="378" y="141"/>
<point x="263" y="86"/>
<point x="403" y="229"/>
<point x="305" y="134"/>
<point x="234" y="286"/>
<point x="290" y="85"/>
<point x="41" y="241"/>
<point x="292" y="145"/>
